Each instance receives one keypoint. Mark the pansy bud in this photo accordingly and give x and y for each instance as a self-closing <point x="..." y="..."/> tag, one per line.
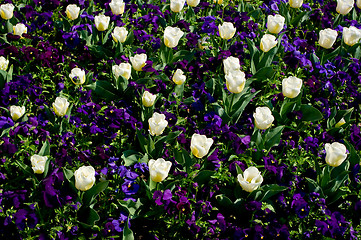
<point x="159" y="169"/>
<point x="60" y="106"/>
<point x="268" y="42"/>
<point x="327" y="38"/>
<point x="157" y="124"/>
<point x="263" y="118"/>
<point x="38" y="163"/>
<point x="101" y="22"/>
<point x="17" y="112"/>
<point x="291" y="87"/>
<point x="7" y="11"/>
<point x="172" y="36"/>
<point x="344" y="6"/>
<point x="123" y="69"/>
<point x="77" y="76"/>
<point x="138" y="61"/>
<point x="120" y="34"/>
<point x="72" y="11"/>
<point x="235" y="81"/>
<point x="117" y="7"/>
<point x="251" y="179"/>
<point x="19" y="29"/>
<point x="231" y="64"/>
<point x="193" y="3"/>
<point x="178" y="77"/>
<point x="200" y="145"/>
<point x="335" y="154"/>
<point x="84" y="178"/>
<point x="295" y="3"/>
<point x="4" y="63"/>
<point x="177" y="5"/>
<point x="351" y="35"/>
<point x="275" y="23"/>
<point x="226" y="30"/>
<point x="148" y="99"/>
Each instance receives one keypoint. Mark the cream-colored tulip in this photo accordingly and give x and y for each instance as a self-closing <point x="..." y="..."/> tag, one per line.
<point x="177" y="5"/>
<point x="4" y="63"/>
<point x="101" y="22"/>
<point x="77" y="76"/>
<point x="358" y="3"/>
<point x="200" y="145"/>
<point x="17" y="112"/>
<point x="275" y="23"/>
<point x="231" y="64"/>
<point x="335" y="154"/>
<point x="172" y="36"/>
<point x="226" y="30"/>
<point x="19" y="29"/>
<point x="327" y="38"/>
<point x="268" y="42"/>
<point x="251" y="179"/>
<point x="60" y="106"/>
<point x="291" y="87"/>
<point x="123" y="69"/>
<point x="38" y="163"/>
<point x="72" y="11"/>
<point x="7" y="11"/>
<point x="148" y="99"/>
<point x="159" y="169"/>
<point x="295" y="3"/>
<point x="157" y="124"/>
<point x="340" y="123"/>
<point x="263" y="118"/>
<point x="351" y="35"/>
<point x="235" y="81"/>
<point x="178" y="77"/>
<point x="344" y="6"/>
<point x="120" y="34"/>
<point x="193" y="3"/>
<point x="84" y="178"/>
<point x="138" y="61"/>
<point x="117" y="7"/>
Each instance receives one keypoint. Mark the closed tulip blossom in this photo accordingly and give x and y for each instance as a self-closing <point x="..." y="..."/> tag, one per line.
<point x="38" y="163"/>
<point x="340" y="123"/>
<point x="351" y="35"/>
<point x="123" y="69"/>
<point x="159" y="169"/>
<point x="17" y="112"/>
<point x="138" y="61"/>
<point x="295" y="3"/>
<point x="72" y="11"/>
<point x="148" y="99"/>
<point x="19" y="29"/>
<point x="4" y="63"/>
<point x="77" y="76"/>
<point x="275" y="23"/>
<point x="200" y="145"/>
<point x="291" y="87"/>
<point x="177" y="5"/>
<point x="7" y="11"/>
<point x="358" y="3"/>
<point x="327" y="38"/>
<point x="231" y="64"/>
<point x="178" y="77"/>
<point x="84" y="178"/>
<point x="157" y="124"/>
<point x="335" y="154"/>
<point x="263" y="118"/>
<point x="101" y="22"/>
<point x="120" y="34"/>
<point x="117" y="7"/>
<point x="172" y="35"/>
<point x="250" y="180"/>
<point x="344" y="6"/>
<point x="226" y="30"/>
<point x="60" y="106"/>
<point x="193" y="3"/>
<point x="268" y="42"/>
<point x="235" y="81"/>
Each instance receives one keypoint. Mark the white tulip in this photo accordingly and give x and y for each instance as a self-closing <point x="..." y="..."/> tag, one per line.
<point x="159" y="169"/>
<point x="295" y="3"/>
<point x="335" y="154"/>
<point x="235" y="81"/>
<point x="7" y="11"/>
<point x="231" y="64"/>
<point x="340" y="123"/>
<point x="117" y="7"/>
<point x="177" y="5"/>
<point x="101" y="22"/>
<point x="193" y="3"/>
<point x="120" y="34"/>
<point x="4" y="63"/>
<point x="19" y="29"/>
<point x="84" y="178"/>
<point x="123" y="69"/>
<point x="327" y="38"/>
<point x="17" y="112"/>
<point x="138" y="61"/>
<point x="148" y="99"/>
<point x="157" y="124"/>
<point x="72" y="11"/>
<point x="172" y="36"/>
<point x="351" y="35"/>
<point x="178" y="77"/>
<point x="358" y="3"/>
<point x="268" y="42"/>
<point x="60" y="106"/>
<point x="251" y="179"/>
<point x="38" y="163"/>
<point x="263" y="117"/>
<point x="200" y="145"/>
<point x="77" y="76"/>
<point x="275" y="23"/>
<point x="344" y="6"/>
<point x="226" y="30"/>
<point x="291" y="87"/>
<point x="217" y="1"/>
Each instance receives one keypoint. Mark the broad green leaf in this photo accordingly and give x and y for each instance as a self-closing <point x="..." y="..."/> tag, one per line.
<point x="310" y="113"/>
<point x="93" y="192"/>
<point x="273" y="137"/>
<point x="203" y="176"/>
<point x="45" y="149"/>
<point x="104" y="89"/>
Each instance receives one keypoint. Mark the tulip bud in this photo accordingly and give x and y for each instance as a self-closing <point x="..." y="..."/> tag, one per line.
<point x="84" y="178"/>
<point x="123" y="69"/>
<point x="60" y="106"/>
<point x="7" y="11"/>
<point x="200" y="145"/>
<point x="275" y="23"/>
<point x="226" y="30"/>
<point x="178" y="77"/>
<point x="77" y="76"/>
<point x="120" y="34"/>
<point x="19" y="29"/>
<point x="17" y="112"/>
<point x="263" y="118"/>
<point x="159" y="169"/>
<point x="335" y="154"/>
<point x="358" y="4"/>
<point x="193" y="3"/>
<point x="38" y="163"/>
<point x="340" y="123"/>
<point x="177" y="5"/>
<point x="217" y="1"/>
<point x="138" y="61"/>
<point x="231" y="64"/>
<point x="4" y="63"/>
<point x="327" y="38"/>
<point x="235" y="81"/>
<point x="148" y="99"/>
<point x="72" y="11"/>
<point x="172" y="36"/>
<point x="268" y="42"/>
<point x="157" y="124"/>
<point x="291" y="87"/>
<point x="250" y="180"/>
<point x="295" y="3"/>
<point x="344" y="6"/>
<point x="351" y="35"/>
<point x="101" y="22"/>
<point x="117" y="7"/>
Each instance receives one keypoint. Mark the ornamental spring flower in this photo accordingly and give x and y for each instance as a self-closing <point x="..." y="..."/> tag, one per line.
<point x="327" y="38"/>
<point x="17" y="112"/>
<point x="77" y="76"/>
<point x="157" y="124"/>
<point x="123" y="69"/>
<point x="263" y="117"/>
<point x="275" y="23"/>
<point x="295" y="3"/>
<point x="19" y="29"/>
<point x="231" y="64"/>
<point x="117" y="7"/>
<point x="84" y="178"/>
<point x="335" y="154"/>
<point x="200" y="145"/>
<point x="60" y="106"/>
<point x="178" y="77"/>
<point x="217" y="1"/>
<point x="177" y="5"/>
<point x="351" y="35"/>
<point x="235" y="81"/>
<point x="226" y="30"/>
<point x="138" y="61"/>
<point x="101" y="22"/>
<point x="358" y="3"/>
<point x="172" y="36"/>
<point x="251" y="179"/>
<point x="7" y="11"/>
<point x="340" y="123"/>
<point x="291" y="87"/>
<point x="120" y="34"/>
<point x="193" y="3"/>
<point x="159" y="169"/>
<point x="268" y="42"/>
<point x="148" y="99"/>
<point x="4" y="63"/>
<point x="38" y="163"/>
<point x="72" y="11"/>
<point x="344" y="6"/>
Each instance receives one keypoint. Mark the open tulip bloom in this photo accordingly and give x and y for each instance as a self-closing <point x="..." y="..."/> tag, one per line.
<point x="250" y="180"/>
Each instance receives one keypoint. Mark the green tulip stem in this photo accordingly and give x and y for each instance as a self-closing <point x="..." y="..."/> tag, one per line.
<point x="322" y="56"/>
<point x="152" y="185"/>
<point x="231" y="104"/>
